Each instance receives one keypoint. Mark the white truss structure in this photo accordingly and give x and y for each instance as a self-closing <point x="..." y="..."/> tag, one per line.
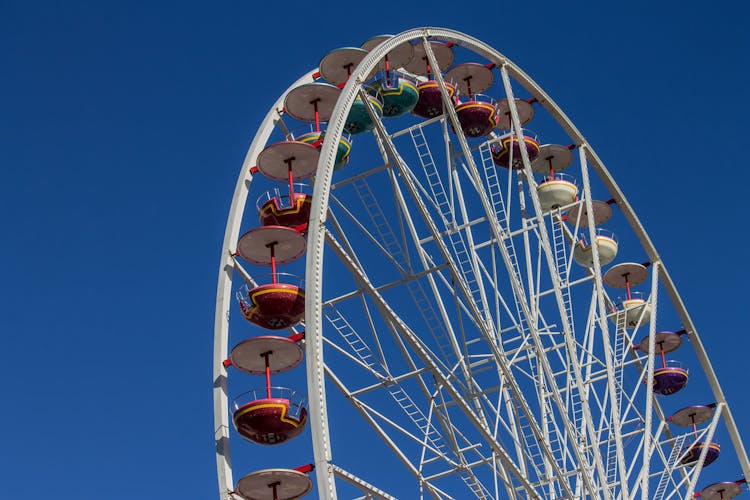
<point x="456" y="324"/>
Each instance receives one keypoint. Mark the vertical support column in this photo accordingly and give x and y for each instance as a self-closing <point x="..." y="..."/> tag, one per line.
<point x="601" y="309"/>
<point x="647" y="439"/>
<point x="473" y="255"/>
<point x="696" y="472"/>
<point x="544" y="240"/>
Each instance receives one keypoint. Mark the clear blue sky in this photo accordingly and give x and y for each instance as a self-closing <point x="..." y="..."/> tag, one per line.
<point x="122" y="129"/>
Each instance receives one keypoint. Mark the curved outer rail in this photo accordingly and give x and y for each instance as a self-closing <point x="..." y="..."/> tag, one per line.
<point x="316" y="237"/>
<point x="224" y="292"/>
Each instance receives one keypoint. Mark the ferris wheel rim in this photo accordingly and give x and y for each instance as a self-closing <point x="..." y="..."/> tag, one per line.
<point x="320" y="204"/>
<point x="224" y="295"/>
<point x="316" y="383"/>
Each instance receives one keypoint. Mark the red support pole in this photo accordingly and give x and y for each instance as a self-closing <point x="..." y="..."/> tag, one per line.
<point x="468" y="86"/>
<point x="627" y="286"/>
<point x="663" y="359"/>
<point x="317" y="116"/>
<point x="695" y="428"/>
<point x="268" y="374"/>
<point x="291" y="182"/>
<point x="387" y="71"/>
<point x="273" y="263"/>
<point x="551" y="170"/>
<point x="275" y="494"/>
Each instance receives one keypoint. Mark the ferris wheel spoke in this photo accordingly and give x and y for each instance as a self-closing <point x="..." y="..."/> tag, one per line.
<point x="428" y="441"/>
<point x="410" y="408"/>
<point x="543" y="444"/>
<point x="541" y="357"/>
<point x="457" y="233"/>
<point x="543" y="237"/>
<point x="368" y="489"/>
<point x="583" y="421"/>
<point x="394" y="245"/>
<point x="366" y="232"/>
<point x="460" y="443"/>
<point x="651" y="446"/>
<point x="382" y="433"/>
<point x="460" y="269"/>
<point x="368" y="368"/>
<point x="587" y="357"/>
<point x="403" y="399"/>
<point x="429" y="360"/>
<point x="470" y="273"/>
<point x="237" y="266"/>
<point x="501" y="304"/>
<point x="438" y="323"/>
<point x="461" y="446"/>
<point x="474" y="259"/>
<point x="460" y="449"/>
<point x="512" y="267"/>
<point x="398" y="251"/>
<point x="447" y="283"/>
<point x="608" y="354"/>
<point x="666" y="476"/>
<point x="363" y="175"/>
<point x="340" y="250"/>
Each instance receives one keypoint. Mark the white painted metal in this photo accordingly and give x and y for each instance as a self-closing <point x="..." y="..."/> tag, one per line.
<point x="471" y="412"/>
<point x="647" y="445"/>
<point x="224" y="294"/>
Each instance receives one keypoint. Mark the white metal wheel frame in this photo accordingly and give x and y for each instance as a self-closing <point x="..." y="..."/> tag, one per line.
<point x="594" y="469"/>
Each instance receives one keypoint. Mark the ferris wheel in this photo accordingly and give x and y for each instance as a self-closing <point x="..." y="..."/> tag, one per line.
<point x="479" y="310"/>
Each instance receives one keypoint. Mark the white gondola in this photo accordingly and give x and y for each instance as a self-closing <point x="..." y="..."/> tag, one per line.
<point x="557" y="191"/>
<point x="606" y="245"/>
